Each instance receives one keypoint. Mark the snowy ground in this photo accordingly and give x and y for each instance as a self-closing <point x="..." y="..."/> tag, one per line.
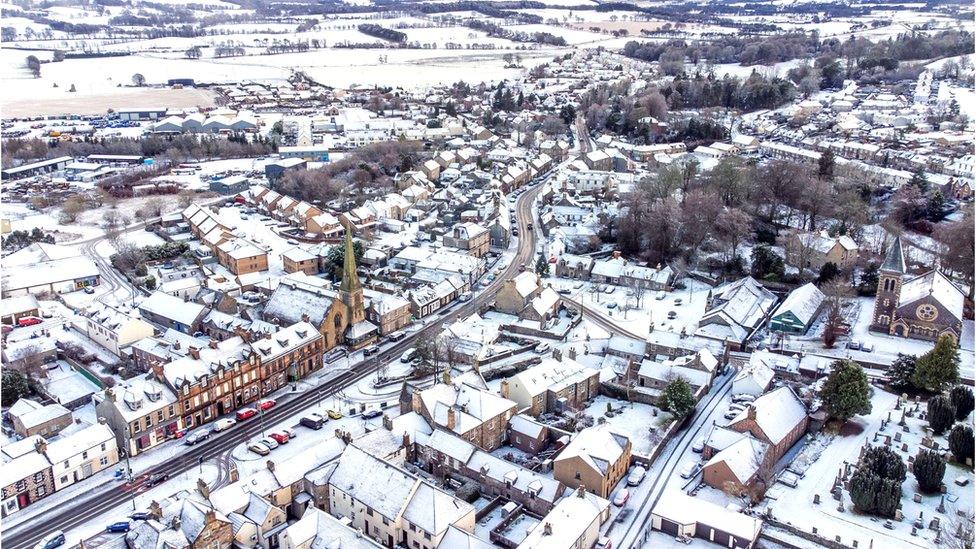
<point x="827" y="453"/>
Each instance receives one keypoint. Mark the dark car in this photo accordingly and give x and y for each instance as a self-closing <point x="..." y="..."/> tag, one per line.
<point x="156" y="479"/>
<point x="196" y="436"/>
<point x="118" y="527"/>
<point x="372" y="413"/>
<point x="141" y="515"/>
<point x="313" y="421"/>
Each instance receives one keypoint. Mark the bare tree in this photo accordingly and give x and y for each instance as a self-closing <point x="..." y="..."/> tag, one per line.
<point x="838" y="293"/>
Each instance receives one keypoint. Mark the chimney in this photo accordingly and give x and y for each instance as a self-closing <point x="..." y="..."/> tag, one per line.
<point x="157" y="370"/>
<point x="40" y="446"/>
<point x="203" y="488"/>
<point x="155" y="510"/>
<point x="176" y="345"/>
<point x="581" y="491"/>
<point x="616" y="254"/>
<point x="304" y="317"/>
<point x="451" y="419"/>
<point x="110" y="394"/>
<point x="406" y="439"/>
<point x="210" y="515"/>
<point x="213" y="343"/>
<point x="174" y="523"/>
<point x="547" y="529"/>
<point x="503" y="388"/>
<point x="751" y="414"/>
<point x="194" y="353"/>
<point x="387" y="422"/>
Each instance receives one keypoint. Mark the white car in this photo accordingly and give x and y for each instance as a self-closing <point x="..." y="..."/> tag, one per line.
<point x="689" y="469"/>
<point x="699" y="445"/>
<point x="731" y="414"/>
<point x="636" y="476"/>
<point x="224" y="424"/>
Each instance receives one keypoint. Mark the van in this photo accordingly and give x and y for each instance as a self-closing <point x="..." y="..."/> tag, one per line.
<point x="689" y="469"/>
<point x="223" y="424"/>
<point x="398" y="335"/>
<point x="312" y="421"/>
<point x="408" y="355"/>
<point x="371" y="350"/>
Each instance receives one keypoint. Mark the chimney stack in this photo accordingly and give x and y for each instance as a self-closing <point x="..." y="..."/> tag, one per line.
<point x="387" y="422"/>
<point x="213" y="343"/>
<point x="451" y="418"/>
<point x="155" y="510"/>
<point x="195" y="353"/>
<point x="40" y="446"/>
<point x="752" y="412"/>
<point x="203" y="488"/>
<point x="547" y="529"/>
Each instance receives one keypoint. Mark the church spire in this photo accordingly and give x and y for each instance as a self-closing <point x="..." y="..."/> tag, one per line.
<point x="350" y="280"/>
<point x="894" y="260"/>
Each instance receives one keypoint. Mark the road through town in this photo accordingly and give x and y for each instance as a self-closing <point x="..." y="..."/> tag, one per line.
<point x="100" y="499"/>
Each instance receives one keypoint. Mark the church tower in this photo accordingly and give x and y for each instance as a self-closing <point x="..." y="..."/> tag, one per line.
<point x="889" y="287"/>
<point x="350" y="290"/>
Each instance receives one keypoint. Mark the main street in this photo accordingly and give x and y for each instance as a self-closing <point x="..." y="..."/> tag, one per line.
<point x="100" y="499"/>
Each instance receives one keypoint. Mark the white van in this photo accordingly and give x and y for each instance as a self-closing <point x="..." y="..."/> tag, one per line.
<point x="398" y="335"/>
<point x="408" y="355"/>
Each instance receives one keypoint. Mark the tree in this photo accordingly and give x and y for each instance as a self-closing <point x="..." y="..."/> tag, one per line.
<point x="13" y="387"/>
<point x="962" y="401"/>
<point x="929" y="468"/>
<point x="767" y="264"/>
<point x="678" y="398"/>
<point x="901" y="372"/>
<point x="336" y="256"/>
<point x="185" y="198"/>
<point x="71" y="208"/>
<point x="541" y="265"/>
<point x="939" y="368"/>
<point x="962" y="443"/>
<point x="867" y="284"/>
<point x="150" y="283"/>
<point x="138" y="80"/>
<point x="846" y="392"/>
<point x="940" y="414"/>
<point x="837" y="293"/>
<point x="825" y="166"/>
<point x="876" y="483"/>
<point x="828" y="272"/>
<point x="34" y="65"/>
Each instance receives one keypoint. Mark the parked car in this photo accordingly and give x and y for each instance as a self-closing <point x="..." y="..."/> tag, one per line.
<point x="335" y="354"/>
<point x="371" y="350"/>
<point x="466" y="296"/>
<point x="672" y="315"/>
<point x="660" y="296"/>
<point x="52" y="540"/>
<point x="29" y="321"/>
<point x="290" y="432"/>
<point x="603" y="543"/>
<point x="117" y="527"/>
<point x="89" y="290"/>
<point x="689" y="469"/>
<point x="621" y="498"/>
<point x="743" y="398"/>
<point x="636" y="476"/>
<point x="224" y="424"/>
<point x="398" y="335"/>
<point x="854" y="344"/>
<point x="730" y="414"/>
<point x="678" y="301"/>
<point x="867" y="347"/>
<point x="141" y="515"/>
<point x="156" y="479"/>
<point x="280" y="437"/>
<point x="543" y="348"/>
<point x="408" y="355"/>
<point x="267" y="404"/>
<point x="269" y="442"/>
<point x="699" y="445"/>
<point x="246" y="413"/>
<point x="334" y="414"/>
<point x="199" y="435"/>
<point x="313" y="421"/>
<point x="259" y="449"/>
<point x="372" y="413"/>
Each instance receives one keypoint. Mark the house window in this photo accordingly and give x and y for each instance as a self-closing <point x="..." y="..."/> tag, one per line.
<point x="41" y="491"/>
<point x="578" y="477"/>
<point x="103" y="461"/>
<point x="64" y="479"/>
<point x="426" y="536"/>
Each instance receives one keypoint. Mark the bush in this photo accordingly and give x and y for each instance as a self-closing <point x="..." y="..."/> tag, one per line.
<point x="929" y="468"/>
<point x="940" y="414"/>
<point x="962" y="401"/>
<point x="962" y="443"/>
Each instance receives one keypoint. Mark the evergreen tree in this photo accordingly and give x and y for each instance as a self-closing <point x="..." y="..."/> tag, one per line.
<point x="876" y="483"/>
<point x="541" y="266"/>
<point x="901" y="372"/>
<point x="825" y="166"/>
<point x="13" y="386"/>
<point x="939" y="368"/>
<point x="867" y="285"/>
<point x="940" y="414"/>
<point x="846" y="392"/>
<point x="918" y="180"/>
<point x="678" y="398"/>
<point x="828" y="272"/>
<point x="929" y="468"/>
<point x="766" y="263"/>
<point x="962" y="444"/>
<point x="962" y="401"/>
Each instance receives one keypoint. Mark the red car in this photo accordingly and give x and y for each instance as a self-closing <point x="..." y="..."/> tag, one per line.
<point x="280" y="437"/>
<point x="266" y="404"/>
<point x="246" y="413"/>
<point x="29" y="321"/>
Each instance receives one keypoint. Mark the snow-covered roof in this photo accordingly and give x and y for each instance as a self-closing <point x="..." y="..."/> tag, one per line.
<point x="568" y="521"/>
<point x="777" y="413"/>
<point x="526" y="425"/>
<point x="48" y="272"/>
<point x="84" y="440"/>
<point x="172" y="308"/>
<point x="433" y="510"/>
<point x="32" y="413"/>
<point x="320" y="530"/>
<point x="742" y="457"/>
<point x="455" y="538"/>
<point x="803" y="302"/>
<point x="599" y="447"/>
<point x="386" y="489"/>
<point x="941" y="289"/>
<point x="679" y="507"/>
<point x="551" y="374"/>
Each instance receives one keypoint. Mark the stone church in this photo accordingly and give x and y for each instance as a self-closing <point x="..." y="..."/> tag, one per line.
<point x="340" y="316"/>
<point x="918" y="307"/>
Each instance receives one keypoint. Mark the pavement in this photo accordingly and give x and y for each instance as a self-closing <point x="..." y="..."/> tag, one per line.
<point x="100" y="499"/>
